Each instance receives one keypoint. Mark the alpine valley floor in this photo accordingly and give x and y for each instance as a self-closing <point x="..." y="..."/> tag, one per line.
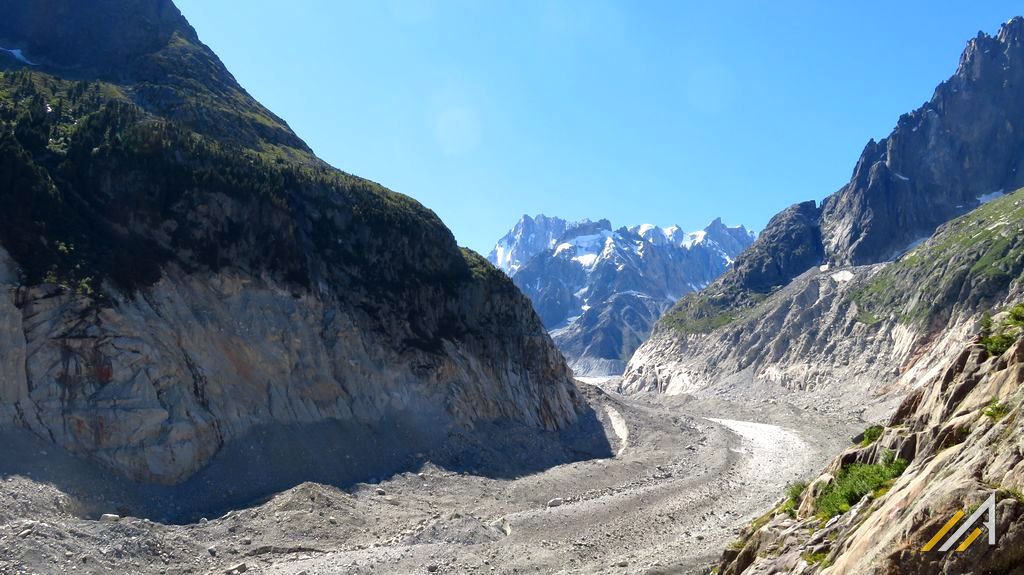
<point x="688" y="474"/>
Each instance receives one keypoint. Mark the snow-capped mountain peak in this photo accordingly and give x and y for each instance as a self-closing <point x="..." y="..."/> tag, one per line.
<point x="600" y="290"/>
<point x="586" y="249"/>
<point x="528" y="237"/>
<point x="693" y="238"/>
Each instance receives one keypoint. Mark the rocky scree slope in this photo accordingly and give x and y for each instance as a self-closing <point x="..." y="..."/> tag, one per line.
<point x="961" y="435"/>
<point x="787" y="312"/>
<point x="600" y="291"/>
<point x="179" y="271"/>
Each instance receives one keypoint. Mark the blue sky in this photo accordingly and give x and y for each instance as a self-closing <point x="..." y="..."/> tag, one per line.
<point x="665" y="112"/>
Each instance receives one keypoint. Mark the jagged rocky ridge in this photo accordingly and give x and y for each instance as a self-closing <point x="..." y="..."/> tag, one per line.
<point x="787" y="313"/>
<point x="529" y="237"/>
<point x="179" y="271"/>
<point x="961" y="434"/>
<point x="601" y="290"/>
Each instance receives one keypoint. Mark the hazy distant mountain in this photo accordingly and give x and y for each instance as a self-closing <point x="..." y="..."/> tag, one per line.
<point x="528" y="238"/>
<point x="600" y="290"/>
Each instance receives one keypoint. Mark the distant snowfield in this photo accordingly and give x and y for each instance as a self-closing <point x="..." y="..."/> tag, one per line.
<point x="587" y="249"/>
<point x="18" y="54"/>
<point x="694" y="238"/>
<point x="586" y="260"/>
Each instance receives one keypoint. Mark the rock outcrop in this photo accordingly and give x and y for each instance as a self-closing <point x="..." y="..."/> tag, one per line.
<point x="791" y="241"/>
<point x="940" y="160"/>
<point x="961" y="436"/>
<point x="178" y="270"/>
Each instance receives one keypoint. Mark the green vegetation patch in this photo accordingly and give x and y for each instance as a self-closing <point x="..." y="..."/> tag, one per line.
<point x="793" y="493"/>
<point x="996" y="410"/>
<point x="1007" y="492"/>
<point x="704" y="312"/>
<point x="871" y="435"/>
<point x="478" y="265"/>
<point x="867" y="318"/>
<point x="820" y="558"/>
<point x="95" y="191"/>
<point x="998" y="338"/>
<point x="698" y="313"/>
<point x="855" y="481"/>
<point x="737" y="545"/>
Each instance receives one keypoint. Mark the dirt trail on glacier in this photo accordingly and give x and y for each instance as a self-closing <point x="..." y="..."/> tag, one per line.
<point x="687" y="475"/>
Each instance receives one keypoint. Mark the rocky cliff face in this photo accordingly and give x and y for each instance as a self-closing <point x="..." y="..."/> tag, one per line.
<point x="600" y="291"/>
<point x="178" y="270"/>
<point x="801" y="280"/>
<point x="790" y="241"/>
<point x="940" y="160"/>
<point x="961" y="435"/>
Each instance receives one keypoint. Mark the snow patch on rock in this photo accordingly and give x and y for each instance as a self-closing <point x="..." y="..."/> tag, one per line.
<point x="843" y="276"/>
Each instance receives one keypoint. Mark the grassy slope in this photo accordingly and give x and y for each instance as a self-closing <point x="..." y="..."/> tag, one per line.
<point x="969" y="262"/>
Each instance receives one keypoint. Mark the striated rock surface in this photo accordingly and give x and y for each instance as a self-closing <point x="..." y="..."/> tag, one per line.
<point x="178" y="271"/>
<point x="961" y="435"/>
<point x="156" y="385"/>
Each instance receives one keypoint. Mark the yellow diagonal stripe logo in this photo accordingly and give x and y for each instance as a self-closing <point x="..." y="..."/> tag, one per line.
<point x="970" y="539"/>
<point x="942" y="532"/>
<point x="987" y="508"/>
